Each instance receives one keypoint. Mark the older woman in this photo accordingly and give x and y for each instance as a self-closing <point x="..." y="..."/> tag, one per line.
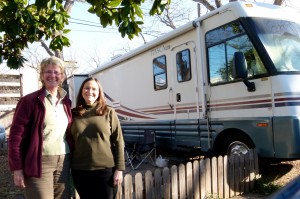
<point x="38" y="142"/>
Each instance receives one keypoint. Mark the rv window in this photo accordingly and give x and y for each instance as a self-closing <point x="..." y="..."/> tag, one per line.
<point x="160" y="73"/>
<point x="221" y="44"/>
<point x="183" y="63"/>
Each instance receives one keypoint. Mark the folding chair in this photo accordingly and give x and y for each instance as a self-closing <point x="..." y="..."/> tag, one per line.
<point x="142" y="150"/>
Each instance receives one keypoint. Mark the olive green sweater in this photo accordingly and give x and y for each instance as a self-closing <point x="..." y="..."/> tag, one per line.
<point x="98" y="141"/>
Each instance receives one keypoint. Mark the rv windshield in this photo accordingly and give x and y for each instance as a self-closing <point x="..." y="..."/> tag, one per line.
<point x="282" y="41"/>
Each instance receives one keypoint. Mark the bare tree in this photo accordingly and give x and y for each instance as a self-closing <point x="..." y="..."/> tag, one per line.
<point x="34" y="56"/>
<point x="174" y="15"/>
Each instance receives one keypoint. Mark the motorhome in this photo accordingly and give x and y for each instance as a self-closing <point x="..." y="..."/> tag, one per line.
<point x="226" y="82"/>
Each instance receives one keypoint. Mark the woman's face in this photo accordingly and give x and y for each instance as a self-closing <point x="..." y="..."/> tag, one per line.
<point x="52" y="77"/>
<point x="90" y="92"/>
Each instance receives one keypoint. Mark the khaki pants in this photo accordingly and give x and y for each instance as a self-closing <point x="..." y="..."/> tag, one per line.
<point x="54" y="182"/>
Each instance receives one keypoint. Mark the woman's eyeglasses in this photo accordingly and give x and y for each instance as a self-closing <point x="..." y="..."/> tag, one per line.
<point x="49" y="72"/>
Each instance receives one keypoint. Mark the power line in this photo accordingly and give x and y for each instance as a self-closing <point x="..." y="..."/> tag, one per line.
<point x="84" y="24"/>
<point x="94" y="31"/>
<point x="90" y="24"/>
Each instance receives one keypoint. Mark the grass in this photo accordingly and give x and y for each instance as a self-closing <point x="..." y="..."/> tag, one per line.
<point x="265" y="186"/>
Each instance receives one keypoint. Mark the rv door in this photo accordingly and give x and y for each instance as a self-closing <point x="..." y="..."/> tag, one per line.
<point x="184" y="82"/>
<point x="185" y="95"/>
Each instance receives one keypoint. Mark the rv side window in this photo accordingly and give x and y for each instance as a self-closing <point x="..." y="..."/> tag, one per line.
<point x="160" y="73"/>
<point x="221" y="44"/>
<point x="183" y="63"/>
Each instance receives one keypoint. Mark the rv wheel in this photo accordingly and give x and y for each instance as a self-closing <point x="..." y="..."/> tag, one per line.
<point x="237" y="146"/>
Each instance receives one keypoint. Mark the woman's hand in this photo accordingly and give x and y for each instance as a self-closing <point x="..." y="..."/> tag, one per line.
<point x="19" y="179"/>
<point x="118" y="177"/>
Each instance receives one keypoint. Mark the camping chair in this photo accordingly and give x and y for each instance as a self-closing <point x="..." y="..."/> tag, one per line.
<point x="142" y="150"/>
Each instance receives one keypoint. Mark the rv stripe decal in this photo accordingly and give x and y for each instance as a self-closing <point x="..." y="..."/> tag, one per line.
<point x="132" y="112"/>
<point x="128" y="114"/>
<point x="286" y="99"/>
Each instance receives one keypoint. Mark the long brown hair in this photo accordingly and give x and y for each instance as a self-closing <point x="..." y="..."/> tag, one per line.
<point x="101" y="107"/>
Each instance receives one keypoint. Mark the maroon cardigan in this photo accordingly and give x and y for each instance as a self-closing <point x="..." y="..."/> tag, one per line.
<point x="25" y="141"/>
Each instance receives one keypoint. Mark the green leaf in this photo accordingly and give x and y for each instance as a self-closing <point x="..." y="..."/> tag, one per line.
<point x="153" y="10"/>
<point x="59" y="6"/>
<point x="109" y="12"/>
<point x="59" y="18"/>
<point x="139" y="22"/>
<point x="65" y="41"/>
<point x="40" y="4"/>
<point x="65" y="31"/>
<point x="104" y="20"/>
<point x="15" y="62"/>
<point x="138" y="11"/>
<point x="137" y="28"/>
<point x="91" y="10"/>
<point x="56" y="44"/>
<point x="158" y="6"/>
<point x="114" y="3"/>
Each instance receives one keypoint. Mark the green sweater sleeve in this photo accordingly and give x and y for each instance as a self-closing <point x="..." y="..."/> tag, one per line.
<point x="117" y="140"/>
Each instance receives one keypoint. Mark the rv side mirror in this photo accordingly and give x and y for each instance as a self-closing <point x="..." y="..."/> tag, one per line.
<point x="239" y="66"/>
<point x="239" y="70"/>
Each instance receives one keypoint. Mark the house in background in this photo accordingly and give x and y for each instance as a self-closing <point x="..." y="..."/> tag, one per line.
<point x="13" y="85"/>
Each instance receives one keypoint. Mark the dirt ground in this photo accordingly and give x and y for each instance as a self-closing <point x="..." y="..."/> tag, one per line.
<point x="281" y="174"/>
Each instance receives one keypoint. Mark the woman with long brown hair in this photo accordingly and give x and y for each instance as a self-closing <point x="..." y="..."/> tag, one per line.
<point x="98" y="158"/>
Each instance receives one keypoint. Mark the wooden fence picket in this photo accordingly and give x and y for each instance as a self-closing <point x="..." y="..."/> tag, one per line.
<point x="139" y="186"/>
<point x="149" y="185"/>
<point x="208" y="178"/>
<point x="252" y="169"/>
<point x="196" y="179"/>
<point x="242" y="174"/>
<point x="214" y="175"/>
<point x="231" y="176"/>
<point x="203" y="178"/>
<point x="128" y="186"/>
<point x="220" y="177"/>
<point x="174" y="182"/>
<point x="166" y="183"/>
<point x="226" y="177"/>
<point x="158" y="184"/>
<point x="182" y="181"/>
<point x="247" y="174"/>
<point x="189" y="180"/>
